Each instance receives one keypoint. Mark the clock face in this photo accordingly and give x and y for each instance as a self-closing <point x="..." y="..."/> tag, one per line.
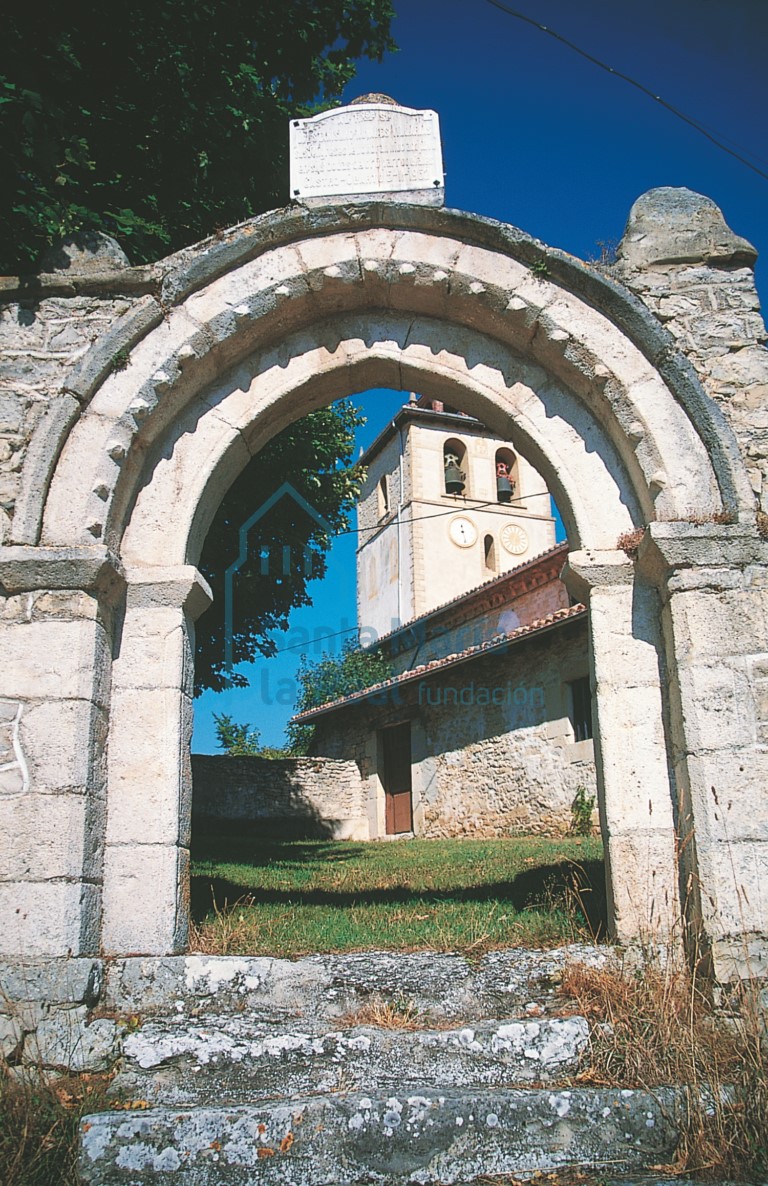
<point x="463" y="531"/>
<point x="514" y="539"/>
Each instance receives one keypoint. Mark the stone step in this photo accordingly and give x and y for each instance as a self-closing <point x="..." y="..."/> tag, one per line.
<point x="181" y="1061"/>
<point x="424" y="1137"/>
<point x="445" y="986"/>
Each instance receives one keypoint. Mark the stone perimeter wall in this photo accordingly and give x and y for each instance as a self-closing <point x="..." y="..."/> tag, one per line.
<point x="304" y="796"/>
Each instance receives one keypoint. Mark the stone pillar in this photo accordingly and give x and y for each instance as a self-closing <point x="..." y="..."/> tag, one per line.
<point x="146" y="860"/>
<point x="715" y="615"/>
<point x="56" y="618"/>
<point x="633" y="774"/>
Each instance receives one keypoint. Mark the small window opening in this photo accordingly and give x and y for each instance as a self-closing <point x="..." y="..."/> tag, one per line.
<point x="581" y="708"/>
<point x="454" y="476"/>
<point x="505" y="475"/>
<point x="383" y="496"/>
<point x="490" y="553"/>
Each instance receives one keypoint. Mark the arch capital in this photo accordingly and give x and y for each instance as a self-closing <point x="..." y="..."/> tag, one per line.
<point x="595" y="568"/>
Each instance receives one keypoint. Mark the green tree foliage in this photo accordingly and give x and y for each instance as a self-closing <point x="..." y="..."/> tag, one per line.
<point x="243" y="741"/>
<point x="330" y="678"/>
<point x="237" y="741"/>
<point x="286" y="548"/>
<point x="160" y="120"/>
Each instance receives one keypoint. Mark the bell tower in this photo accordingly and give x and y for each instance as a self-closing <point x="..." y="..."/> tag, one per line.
<point x="445" y="507"/>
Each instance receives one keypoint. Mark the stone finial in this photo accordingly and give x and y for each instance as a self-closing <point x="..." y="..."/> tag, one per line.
<point x="83" y="253"/>
<point x="374" y="97"/>
<point x="672" y="225"/>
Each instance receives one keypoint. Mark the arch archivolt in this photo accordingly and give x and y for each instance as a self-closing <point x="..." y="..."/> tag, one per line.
<point x="219" y="433"/>
<point x="397" y="308"/>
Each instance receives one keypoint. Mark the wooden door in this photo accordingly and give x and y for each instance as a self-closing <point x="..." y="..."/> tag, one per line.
<point x="396" y="744"/>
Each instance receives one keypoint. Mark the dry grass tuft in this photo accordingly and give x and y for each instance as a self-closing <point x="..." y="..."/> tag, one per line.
<point x="629" y="541"/>
<point x="658" y="1026"/>
<point x="39" y="1118"/>
<point x="397" y="1014"/>
<point x="230" y="933"/>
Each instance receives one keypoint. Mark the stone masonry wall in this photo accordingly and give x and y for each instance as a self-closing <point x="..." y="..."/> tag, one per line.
<point x="40" y="340"/>
<point x="512" y="767"/>
<point x="696" y="276"/>
<point x="313" y="795"/>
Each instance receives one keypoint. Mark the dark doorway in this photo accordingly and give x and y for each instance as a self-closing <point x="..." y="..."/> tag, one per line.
<point x="396" y="747"/>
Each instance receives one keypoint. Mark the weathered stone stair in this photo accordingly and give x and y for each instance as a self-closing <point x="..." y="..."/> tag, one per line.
<point x="266" y="1071"/>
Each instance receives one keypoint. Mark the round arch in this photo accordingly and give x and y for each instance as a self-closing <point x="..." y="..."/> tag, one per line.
<point x="563" y="362"/>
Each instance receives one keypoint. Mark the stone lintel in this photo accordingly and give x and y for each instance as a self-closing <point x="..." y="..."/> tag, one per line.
<point x="668" y="547"/>
<point x="183" y="587"/>
<point x="24" y="569"/>
<point x="591" y="569"/>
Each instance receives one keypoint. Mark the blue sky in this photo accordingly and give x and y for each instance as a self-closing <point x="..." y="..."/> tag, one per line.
<point x="538" y="137"/>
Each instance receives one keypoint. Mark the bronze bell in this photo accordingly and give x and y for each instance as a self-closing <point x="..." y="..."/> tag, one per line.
<point x="504" y="488"/>
<point x="454" y="477"/>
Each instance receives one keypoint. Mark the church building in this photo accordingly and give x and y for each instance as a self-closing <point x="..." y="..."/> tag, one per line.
<point x="485" y="726"/>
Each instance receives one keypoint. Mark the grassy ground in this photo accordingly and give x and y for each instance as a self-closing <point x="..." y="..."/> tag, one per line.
<point x="256" y="896"/>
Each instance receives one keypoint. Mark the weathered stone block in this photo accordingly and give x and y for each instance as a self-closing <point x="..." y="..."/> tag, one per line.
<point x="11" y="1037"/>
<point x="155" y="648"/>
<point x="150" y="731"/>
<point x="67" y="1040"/>
<point x="730" y="803"/>
<point x="145" y="898"/>
<point x="12" y="780"/>
<point x="55" y="660"/>
<point x="634" y="758"/>
<point x="672" y="224"/>
<point x="718" y="710"/>
<point x="429" y="1136"/>
<point x="64" y="744"/>
<point x="48" y="918"/>
<point x="28" y="569"/>
<point x="735" y="874"/>
<point x="65" y="980"/>
<point x="49" y="837"/>
<point x="708" y="623"/>
<point x="642" y="883"/>
<point x="12" y="411"/>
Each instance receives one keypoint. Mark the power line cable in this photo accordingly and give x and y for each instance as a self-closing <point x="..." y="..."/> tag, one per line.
<point x="393" y="523"/>
<point x="460" y="507"/>
<point x="521" y="16"/>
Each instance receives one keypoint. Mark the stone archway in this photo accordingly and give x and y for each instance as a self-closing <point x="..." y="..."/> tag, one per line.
<point x="295" y="310"/>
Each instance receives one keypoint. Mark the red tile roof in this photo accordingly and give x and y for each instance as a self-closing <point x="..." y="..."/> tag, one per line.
<point x="424" y="670"/>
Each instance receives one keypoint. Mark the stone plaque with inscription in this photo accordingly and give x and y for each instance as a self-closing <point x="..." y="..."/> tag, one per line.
<point x="367" y="151"/>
